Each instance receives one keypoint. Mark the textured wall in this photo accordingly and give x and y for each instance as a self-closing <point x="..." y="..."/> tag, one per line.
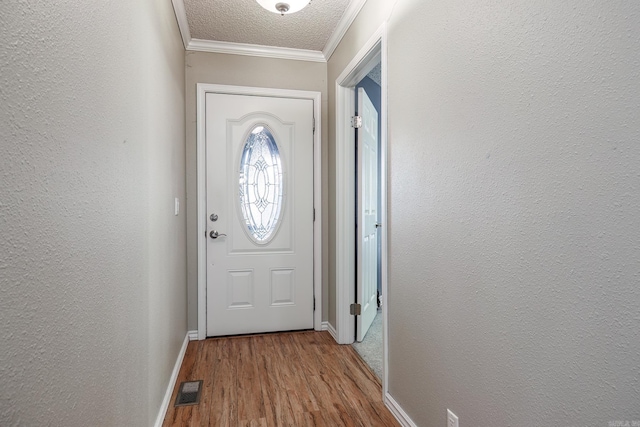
<point x="91" y="128"/>
<point x="515" y="216"/>
<point x="166" y="160"/>
<point x="238" y="70"/>
<point x="514" y="293"/>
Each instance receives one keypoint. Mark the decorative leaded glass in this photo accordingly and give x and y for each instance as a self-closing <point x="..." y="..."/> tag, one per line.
<point x="261" y="184"/>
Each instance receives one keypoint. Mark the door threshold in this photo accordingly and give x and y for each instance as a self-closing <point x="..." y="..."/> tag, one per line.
<point x="261" y="334"/>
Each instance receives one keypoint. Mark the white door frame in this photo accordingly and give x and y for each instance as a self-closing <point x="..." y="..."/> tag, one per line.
<point x="202" y="90"/>
<point x="373" y="51"/>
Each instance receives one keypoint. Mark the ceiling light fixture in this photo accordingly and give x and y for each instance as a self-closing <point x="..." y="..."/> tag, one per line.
<point x="283" y="6"/>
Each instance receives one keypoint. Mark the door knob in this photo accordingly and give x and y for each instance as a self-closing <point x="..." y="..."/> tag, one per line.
<point x="214" y="234"/>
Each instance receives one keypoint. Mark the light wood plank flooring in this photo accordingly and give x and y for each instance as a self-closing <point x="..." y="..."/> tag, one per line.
<point x="285" y="379"/>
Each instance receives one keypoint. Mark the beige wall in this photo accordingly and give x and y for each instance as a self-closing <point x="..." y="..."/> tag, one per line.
<point x="166" y="180"/>
<point x="514" y="216"/>
<point x="241" y="70"/>
<point x="92" y="260"/>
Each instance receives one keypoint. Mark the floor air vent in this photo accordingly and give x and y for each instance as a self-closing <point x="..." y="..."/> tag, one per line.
<point x="189" y="393"/>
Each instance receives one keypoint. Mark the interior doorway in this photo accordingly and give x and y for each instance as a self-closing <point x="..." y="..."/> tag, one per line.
<point x="368" y="334"/>
<point x="368" y="58"/>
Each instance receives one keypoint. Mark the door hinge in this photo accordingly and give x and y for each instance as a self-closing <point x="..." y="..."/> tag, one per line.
<point x="314" y="125"/>
<point x="355" y="309"/>
<point x="356" y="122"/>
<point x="314" y="214"/>
<point x="314" y="303"/>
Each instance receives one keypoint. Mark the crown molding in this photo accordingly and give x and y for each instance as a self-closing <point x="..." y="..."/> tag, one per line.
<point x="200" y="45"/>
<point x="183" y="24"/>
<point x="341" y="29"/>
<point x="255" y="50"/>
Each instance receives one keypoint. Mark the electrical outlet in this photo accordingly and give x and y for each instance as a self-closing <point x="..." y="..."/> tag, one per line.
<point x="452" y="419"/>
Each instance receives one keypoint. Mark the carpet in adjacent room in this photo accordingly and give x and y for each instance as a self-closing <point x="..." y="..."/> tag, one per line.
<point x="370" y="349"/>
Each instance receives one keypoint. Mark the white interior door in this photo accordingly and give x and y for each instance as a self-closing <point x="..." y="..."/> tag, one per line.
<point x="259" y="186"/>
<point x="367" y="242"/>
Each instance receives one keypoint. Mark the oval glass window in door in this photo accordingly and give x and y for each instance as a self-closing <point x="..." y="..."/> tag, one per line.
<point x="261" y="185"/>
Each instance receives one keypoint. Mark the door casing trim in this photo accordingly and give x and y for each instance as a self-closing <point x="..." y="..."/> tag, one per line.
<point x="202" y="89"/>
<point x="374" y="50"/>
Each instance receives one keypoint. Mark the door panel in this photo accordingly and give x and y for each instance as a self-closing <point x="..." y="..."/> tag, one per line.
<point x="260" y="267"/>
<point x="367" y="283"/>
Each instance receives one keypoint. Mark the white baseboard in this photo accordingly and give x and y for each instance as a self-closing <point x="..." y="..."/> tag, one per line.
<point x="193" y="335"/>
<point x="172" y="381"/>
<point x="326" y="326"/>
<point x="398" y="412"/>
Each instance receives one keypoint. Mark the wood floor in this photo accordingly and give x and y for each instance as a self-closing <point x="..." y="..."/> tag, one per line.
<point x="286" y="379"/>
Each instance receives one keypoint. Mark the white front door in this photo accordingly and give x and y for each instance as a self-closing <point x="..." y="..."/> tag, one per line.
<point x="259" y="186"/>
<point x="367" y="242"/>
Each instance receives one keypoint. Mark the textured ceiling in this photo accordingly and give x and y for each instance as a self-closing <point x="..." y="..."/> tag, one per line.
<point x="245" y="21"/>
<point x="376" y="74"/>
